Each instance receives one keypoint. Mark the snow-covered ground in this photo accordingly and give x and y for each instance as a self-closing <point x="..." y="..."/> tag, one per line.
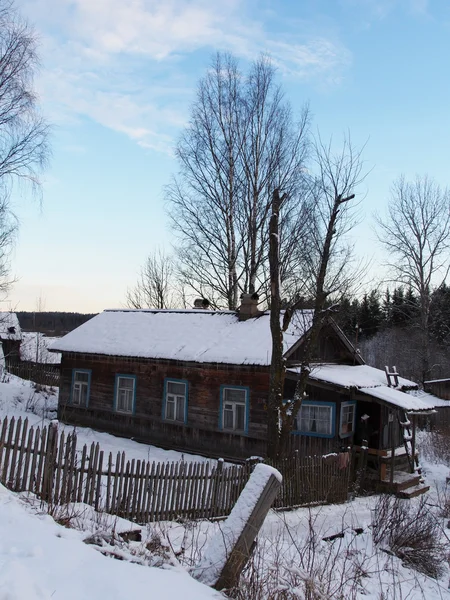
<point x="41" y="559"/>
<point x="34" y="347"/>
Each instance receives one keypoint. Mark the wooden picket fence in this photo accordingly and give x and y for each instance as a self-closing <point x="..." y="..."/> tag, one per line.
<point x="47" y="463"/>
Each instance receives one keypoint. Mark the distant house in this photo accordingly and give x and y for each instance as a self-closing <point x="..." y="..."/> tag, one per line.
<point x="10" y="336"/>
<point x="198" y="380"/>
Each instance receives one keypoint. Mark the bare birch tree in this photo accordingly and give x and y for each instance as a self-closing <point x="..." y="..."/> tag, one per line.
<point x="24" y="133"/>
<point x="325" y="256"/>
<point x="416" y="235"/>
<point x="155" y="285"/>
<point x="240" y="144"/>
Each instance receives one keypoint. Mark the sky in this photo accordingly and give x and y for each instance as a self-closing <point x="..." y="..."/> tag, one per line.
<point x="117" y="80"/>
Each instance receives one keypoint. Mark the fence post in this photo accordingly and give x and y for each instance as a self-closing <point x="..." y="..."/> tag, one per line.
<point x="50" y="462"/>
<point x="230" y="548"/>
<point x="216" y="487"/>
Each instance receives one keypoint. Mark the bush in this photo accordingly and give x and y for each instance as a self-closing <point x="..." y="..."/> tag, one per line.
<point x="410" y="532"/>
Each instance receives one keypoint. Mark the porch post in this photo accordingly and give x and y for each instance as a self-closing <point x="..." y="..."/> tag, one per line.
<point x="413" y="442"/>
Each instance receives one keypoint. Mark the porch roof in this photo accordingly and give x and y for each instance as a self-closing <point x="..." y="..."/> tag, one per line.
<point x="372" y="382"/>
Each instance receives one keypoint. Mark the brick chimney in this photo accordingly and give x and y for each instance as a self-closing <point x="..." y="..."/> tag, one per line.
<point x="249" y="306"/>
<point x="201" y="303"/>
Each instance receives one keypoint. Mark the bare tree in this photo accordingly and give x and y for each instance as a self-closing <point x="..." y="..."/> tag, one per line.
<point x="240" y="144"/>
<point x="154" y="288"/>
<point x="324" y="275"/>
<point x="416" y="235"/>
<point x="24" y="133"/>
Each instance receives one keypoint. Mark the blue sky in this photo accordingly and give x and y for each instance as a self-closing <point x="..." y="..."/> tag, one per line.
<point x="118" y="77"/>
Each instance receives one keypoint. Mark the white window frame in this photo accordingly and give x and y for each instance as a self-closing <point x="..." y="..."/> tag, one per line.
<point x="127" y="410"/>
<point x="174" y="400"/>
<point x="77" y="387"/>
<point x="345" y="405"/>
<point x="231" y="406"/>
<point x="300" y="419"/>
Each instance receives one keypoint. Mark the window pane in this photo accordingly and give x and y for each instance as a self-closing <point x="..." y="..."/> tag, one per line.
<point x="234" y="395"/>
<point x="240" y="416"/>
<point x="80" y="377"/>
<point x="176" y="388"/>
<point x="228" y="417"/>
<point x="180" y="408"/>
<point x="126" y="383"/>
<point x="315" y="419"/>
<point x="170" y="409"/>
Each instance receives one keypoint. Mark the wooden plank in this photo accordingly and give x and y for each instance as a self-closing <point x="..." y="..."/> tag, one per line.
<point x="8" y="451"/>
<point x="41" y="459"/>
<point x="130" y="485"/>
<point x="114" y="499"/>
<point x="188" y="492"/>
<point x="156" y="507"/>
<point x="17" y="485"/>
<point x="72" y="480"/>
<point x="57" y="496"/>
<point x="15" y="444"/>
<point x="3" y="438"/>
<point x="145" y="492"/>
<point x="81" y="473"/>
<point x="137" y="504"/>
<point x="27" y="485"/>
<point x="151" y="503"/>
<point x="108" y="484"/>
<point x="120" y="498"/>
<point x="205" y="506"/>
<point x="94" y="470"/>
<point x="35" y="449"/>
<point x="98" y="487"/>
<point x="174" y="483"/>
<point x="87" y="486"/>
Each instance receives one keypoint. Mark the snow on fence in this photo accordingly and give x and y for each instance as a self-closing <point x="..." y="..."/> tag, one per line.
<point x="47" y="463"/>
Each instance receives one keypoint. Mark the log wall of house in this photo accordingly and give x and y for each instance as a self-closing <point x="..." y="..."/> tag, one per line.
<point x="440" y="388"/>
<point x="201" y="433"/>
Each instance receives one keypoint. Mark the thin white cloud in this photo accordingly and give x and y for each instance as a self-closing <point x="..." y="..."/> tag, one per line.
<point x="122" y="62"/>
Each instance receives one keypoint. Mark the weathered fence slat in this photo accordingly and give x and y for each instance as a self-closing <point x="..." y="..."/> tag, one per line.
<point x="45" y="461"/>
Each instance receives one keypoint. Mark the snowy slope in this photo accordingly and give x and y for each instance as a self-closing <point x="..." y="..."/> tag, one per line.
<point x="42" y="560"/>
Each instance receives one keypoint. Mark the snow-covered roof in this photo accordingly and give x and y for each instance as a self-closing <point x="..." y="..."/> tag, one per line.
<point x="34" y="348"/>
<point x="355" y="376"/>
<point x="9" y="326"/>
<point x="372" y="382"/>
<point x="188" y="335"/>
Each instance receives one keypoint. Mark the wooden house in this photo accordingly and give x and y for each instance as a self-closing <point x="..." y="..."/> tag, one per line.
<point x="10" y="336"/>
<point x="198" y="381"/>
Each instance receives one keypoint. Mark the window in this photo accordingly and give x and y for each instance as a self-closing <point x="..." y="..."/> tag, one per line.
<point x="175" y="405"/>
<point x="234" y="409"/>
<point x="316" y="419"/>
<point x="81" y="381"/>
<point x="125" y="393"/>
<point x="347" y="424"/>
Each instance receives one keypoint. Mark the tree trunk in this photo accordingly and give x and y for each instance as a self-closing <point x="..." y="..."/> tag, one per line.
<point x="277" y="365"/>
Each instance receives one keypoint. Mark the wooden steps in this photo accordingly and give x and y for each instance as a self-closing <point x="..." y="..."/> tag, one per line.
<point x="413" y="491"/>
<point x="405" y="485"/>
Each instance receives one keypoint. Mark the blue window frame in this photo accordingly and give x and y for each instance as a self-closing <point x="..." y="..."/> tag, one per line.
<point x="234" y="409"/>
<point x="81" y="387"/>
<point x="316" y="419"/>
<point x="125" y="393"/>
<point x="175" y="401"/>
<point x="347" y="419"/>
